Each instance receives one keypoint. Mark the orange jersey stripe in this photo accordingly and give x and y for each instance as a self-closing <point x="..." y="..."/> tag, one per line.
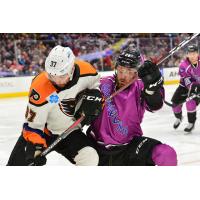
<point x="41" y="87"/>
<point x="34" y="138"/>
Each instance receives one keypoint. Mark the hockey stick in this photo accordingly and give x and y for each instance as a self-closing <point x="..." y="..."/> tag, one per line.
<point x="78" y="122"/>
<point x="121" y="89"/>
<point x="68" y="131"/>
<point x="178" y="47"/>
<point x="61" y="137"/>
<point x="168" y="103"/>
<point x="188" y="99"/>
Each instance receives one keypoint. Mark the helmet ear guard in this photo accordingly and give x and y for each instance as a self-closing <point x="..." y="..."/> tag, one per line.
<point x="60" y="61"/>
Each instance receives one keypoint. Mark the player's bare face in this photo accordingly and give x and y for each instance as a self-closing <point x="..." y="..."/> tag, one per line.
<point x="60" y="81"/>
<point x="193" y="57"/>
<point x="125" y="75"/>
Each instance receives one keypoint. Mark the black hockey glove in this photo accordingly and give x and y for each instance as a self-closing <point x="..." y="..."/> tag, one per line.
<point x="33" y="152"/>
<point x="91" y="105"/>
<point x="151" y="77"/>
<point x="194" y="90"/>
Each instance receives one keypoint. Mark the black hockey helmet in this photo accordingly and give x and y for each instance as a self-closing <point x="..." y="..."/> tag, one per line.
<point x="192" y="48"/>
<point x="130" y="58"/>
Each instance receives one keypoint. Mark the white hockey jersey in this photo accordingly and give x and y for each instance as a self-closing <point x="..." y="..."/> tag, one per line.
<point x="51" y="109"/>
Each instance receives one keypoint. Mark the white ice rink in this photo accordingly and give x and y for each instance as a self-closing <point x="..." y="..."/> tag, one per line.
<point x="157" y="125"/>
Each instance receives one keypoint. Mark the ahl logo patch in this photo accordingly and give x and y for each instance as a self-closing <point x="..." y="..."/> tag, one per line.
<point x="54" y="98"/>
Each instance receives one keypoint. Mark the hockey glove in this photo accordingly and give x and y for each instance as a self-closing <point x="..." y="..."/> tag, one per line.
<point x="33" y="152"/>
<point x="151" y="77"/>
<point x="194" y="90"/>
<point x="91" y="105"/>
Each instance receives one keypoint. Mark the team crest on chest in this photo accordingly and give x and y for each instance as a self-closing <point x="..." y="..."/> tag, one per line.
<point x="67" y="106"/>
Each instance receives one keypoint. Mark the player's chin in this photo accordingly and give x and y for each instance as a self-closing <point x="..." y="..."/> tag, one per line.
<point x="121" y="84"/>
<point x="61" y="85"/>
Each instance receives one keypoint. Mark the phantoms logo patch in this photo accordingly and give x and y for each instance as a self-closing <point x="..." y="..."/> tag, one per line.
<point x="67" y="106"/>
<point x="34" y="95"/>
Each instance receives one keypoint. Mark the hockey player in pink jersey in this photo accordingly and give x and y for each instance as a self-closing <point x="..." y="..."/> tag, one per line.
<point x="189" y="72"/>
<point x="116" y="134"/>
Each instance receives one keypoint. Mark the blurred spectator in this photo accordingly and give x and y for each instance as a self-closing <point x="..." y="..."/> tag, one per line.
<point x="24" y="54"/>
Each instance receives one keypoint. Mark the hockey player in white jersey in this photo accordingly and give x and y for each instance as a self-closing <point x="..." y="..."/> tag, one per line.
<point x="51" y="109"/>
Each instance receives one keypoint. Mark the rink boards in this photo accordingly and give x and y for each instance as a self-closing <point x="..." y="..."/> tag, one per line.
<point x="19" y="86"/>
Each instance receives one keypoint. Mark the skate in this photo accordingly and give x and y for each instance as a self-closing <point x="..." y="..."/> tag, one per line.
<point x="189" y="128"/>
<point x="177" y="122"/>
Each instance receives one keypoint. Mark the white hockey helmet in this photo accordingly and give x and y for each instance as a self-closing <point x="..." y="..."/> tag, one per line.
<point x="60" y="61"/>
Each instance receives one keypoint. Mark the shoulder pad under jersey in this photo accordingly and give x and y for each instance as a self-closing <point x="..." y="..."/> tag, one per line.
<point x="86" y="69"/>
<point x="184" y="63"/>
<point x="41" y="88"/>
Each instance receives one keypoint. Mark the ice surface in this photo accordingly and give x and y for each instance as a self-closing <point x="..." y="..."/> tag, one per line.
<point x="158" y="125"/>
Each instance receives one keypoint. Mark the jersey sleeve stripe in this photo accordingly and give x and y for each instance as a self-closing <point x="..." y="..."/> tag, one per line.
<point x="35" y="136"/>
<point x="38" y="105"/>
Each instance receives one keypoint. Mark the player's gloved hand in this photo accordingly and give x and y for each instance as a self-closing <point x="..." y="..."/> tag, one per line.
<point x="33" y="152"/>
<point x="151" y="76"/>
<point x="195" y="89"/>
<point x="91" y="105"/>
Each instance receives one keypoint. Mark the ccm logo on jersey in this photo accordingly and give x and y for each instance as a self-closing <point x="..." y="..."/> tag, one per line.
<point x="92" y="98"/>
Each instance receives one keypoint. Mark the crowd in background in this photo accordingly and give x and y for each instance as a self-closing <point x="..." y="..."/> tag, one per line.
<point x="24" y="54"/>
